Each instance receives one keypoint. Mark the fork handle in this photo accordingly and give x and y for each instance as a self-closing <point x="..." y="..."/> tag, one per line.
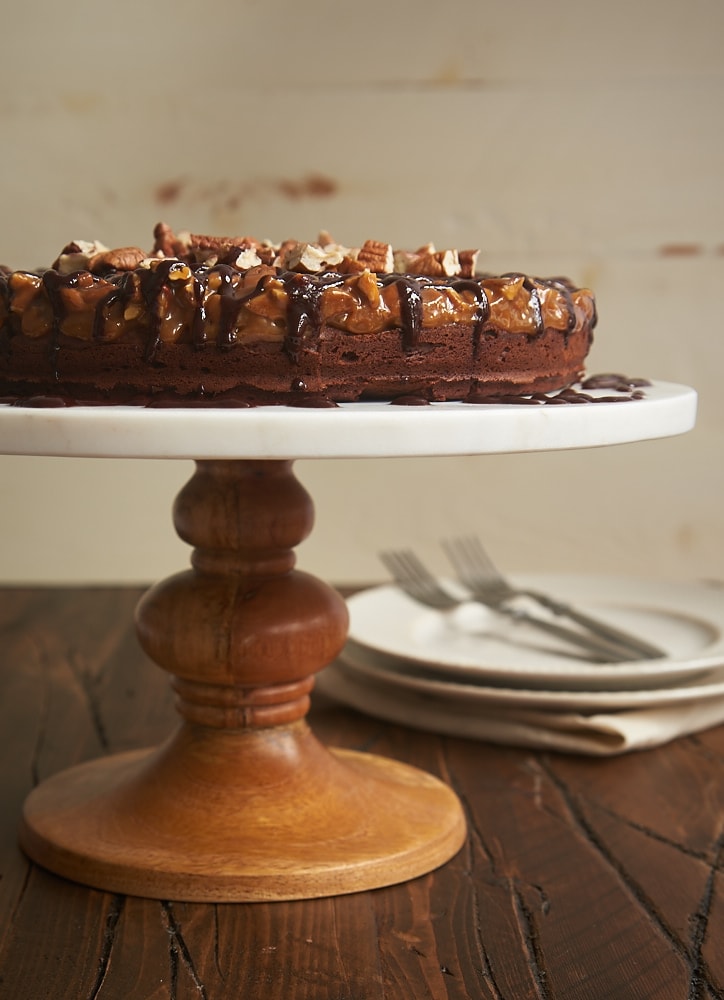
<point x="618" y="637"/>
<point x="602" y="650"/>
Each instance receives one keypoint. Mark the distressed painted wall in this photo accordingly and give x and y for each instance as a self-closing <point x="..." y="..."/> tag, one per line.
<point x="575" y="138"/>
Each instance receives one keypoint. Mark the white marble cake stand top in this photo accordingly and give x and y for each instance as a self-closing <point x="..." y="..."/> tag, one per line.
<point x="353" y="430"/>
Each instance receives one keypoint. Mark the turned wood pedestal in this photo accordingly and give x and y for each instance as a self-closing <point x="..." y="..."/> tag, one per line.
<point x="242" y="802"/>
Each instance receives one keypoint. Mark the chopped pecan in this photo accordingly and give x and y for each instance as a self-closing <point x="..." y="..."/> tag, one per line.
<point x="429" y="262"/>
<point x="350" y="265"/>
<point x="283" y="251"/>
<point x="468" y="262"/>
<point x="367" y="285"/>
<point x="220" y="249"/>
<point x="449" y="262"/>
<point x="266" y="252"/>
<point x="402" y="260"/>
<point x="121" y="259"/>
<point x="75" y="256"/>
<point x="196" y="242"/>
<point x="245" y="258"/>
<point x="252" y="278"/>
<point x="165" y="243"/>
<point x="310" y="258"/>
<point x="377" y="256"/>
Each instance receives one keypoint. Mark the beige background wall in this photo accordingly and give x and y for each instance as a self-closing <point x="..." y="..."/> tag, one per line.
<point x="575" y="138"/>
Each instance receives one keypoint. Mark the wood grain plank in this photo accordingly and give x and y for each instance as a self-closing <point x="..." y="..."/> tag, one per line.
<point x="53" y="942"/>
<point x="569" y="898"/>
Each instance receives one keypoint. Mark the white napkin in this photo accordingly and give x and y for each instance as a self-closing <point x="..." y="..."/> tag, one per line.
<point x="603" y="734"/>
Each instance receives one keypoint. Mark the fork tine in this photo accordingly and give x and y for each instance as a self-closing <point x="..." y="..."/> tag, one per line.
<point x="480" y="558"/>
<point x="408" y="570"/>
<point x="477" y="571"/>
<point x="471" y="562"/>
<point x="456" y="554"/>
<point x="488" y="587"/>
<point x="416" y="580"/>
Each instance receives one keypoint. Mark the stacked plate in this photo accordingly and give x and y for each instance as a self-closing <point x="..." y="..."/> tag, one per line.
<point x="471" y="673"/>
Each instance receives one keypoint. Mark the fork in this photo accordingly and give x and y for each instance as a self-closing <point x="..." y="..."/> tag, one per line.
<point x="413" y="577"/>
<point x="476" y="571"/>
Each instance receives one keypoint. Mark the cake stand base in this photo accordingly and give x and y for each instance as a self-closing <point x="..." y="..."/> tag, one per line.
<point x="242" y="802"/>
<point x="282" y="818"/>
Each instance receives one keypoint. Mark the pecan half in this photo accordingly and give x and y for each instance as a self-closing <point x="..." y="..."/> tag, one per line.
<point x="376" y="256"/>
<point x="121" y="259"/>
<point x="165" y="243"/>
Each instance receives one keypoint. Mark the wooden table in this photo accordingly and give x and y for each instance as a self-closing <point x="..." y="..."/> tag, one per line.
<point x="580" y="878"/>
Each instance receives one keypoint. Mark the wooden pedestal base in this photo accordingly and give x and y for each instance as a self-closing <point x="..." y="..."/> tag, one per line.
<point x="186" y="821"/>
<point x="242" y="802"/>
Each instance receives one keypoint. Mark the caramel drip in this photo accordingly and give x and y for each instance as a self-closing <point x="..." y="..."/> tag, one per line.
<point x="561" y="285"/>
<point x="565" y="288"/>
<point x="122" y="292"/>
<point x="530" y="286"/>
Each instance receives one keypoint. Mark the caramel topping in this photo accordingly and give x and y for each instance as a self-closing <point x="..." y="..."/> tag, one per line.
<point x="223" y="291"/>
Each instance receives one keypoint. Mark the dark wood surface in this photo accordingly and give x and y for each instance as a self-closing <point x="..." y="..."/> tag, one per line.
<point x="581" y="878"/>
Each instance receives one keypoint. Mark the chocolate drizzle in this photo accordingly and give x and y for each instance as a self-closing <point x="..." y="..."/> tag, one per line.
<point x="53" y="283"/>
<point x="204" y="303"/>
<point x="230" y="305"/>
<point x="304" y="292"/>
<point x="4" y="290"/>
<point x="624" y="389"/>
<point x="409" y="290"/>
<point x="565" y="288"/>
<point x="198" y="323"/>
<point x="535" y="305"/>
<point x="153" y="287"/>
<point x="303" y="313"/>
<point x="482" y="311"/>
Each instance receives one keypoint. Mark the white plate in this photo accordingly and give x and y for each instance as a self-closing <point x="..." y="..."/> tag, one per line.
<point x="475" y="645"/>
<point x="360" y="667"/>
<point x="601" y="733"/>
<point x="352" y="430"/>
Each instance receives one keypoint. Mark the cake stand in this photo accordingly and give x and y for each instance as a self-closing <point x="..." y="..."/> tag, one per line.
<point x="242" y="802"/>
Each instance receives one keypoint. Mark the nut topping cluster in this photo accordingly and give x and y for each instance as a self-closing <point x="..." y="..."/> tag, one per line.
<point x="245" y="252"/>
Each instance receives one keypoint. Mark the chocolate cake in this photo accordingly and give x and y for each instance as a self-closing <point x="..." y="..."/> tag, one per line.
<point x="238" y="321"/>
